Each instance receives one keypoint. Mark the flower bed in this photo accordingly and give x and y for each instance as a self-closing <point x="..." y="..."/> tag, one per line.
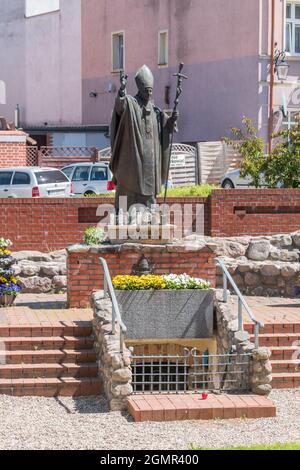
<point x="167" y="281"/>
<point x="165" y="307"/>
<point x="9" y="287"/>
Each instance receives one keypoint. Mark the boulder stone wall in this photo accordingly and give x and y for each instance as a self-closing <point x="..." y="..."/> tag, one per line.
<point x="41" y="272"/>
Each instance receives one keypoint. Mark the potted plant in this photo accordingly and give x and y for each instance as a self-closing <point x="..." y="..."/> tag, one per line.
<point x="166" y="306"/>
<point x="93" y="236"/>
<point x="9" y="287"/>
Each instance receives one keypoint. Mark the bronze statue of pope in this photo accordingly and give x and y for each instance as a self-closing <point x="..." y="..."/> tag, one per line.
<point x="141" y="136"/>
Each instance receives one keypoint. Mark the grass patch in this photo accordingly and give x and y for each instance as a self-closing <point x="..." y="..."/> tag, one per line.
<point x="202" y="190"/>
<point x="278" y="446"/>
<point x="107" y="196"/>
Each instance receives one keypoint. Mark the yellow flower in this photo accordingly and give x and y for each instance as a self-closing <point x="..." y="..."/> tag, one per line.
<point x="145" y="282"/>
<point x="4" y="252"/>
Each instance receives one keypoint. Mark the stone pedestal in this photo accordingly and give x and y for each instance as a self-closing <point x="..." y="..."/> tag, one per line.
<point x="186" y="313"/>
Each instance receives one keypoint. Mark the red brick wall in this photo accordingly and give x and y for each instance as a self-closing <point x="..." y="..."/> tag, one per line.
<point x="85" y="273"/>
<point x="51" y="223"/>
<point x="12" y="153"/>
<point x="43" y="224"/>
<point x="254" y="212"/>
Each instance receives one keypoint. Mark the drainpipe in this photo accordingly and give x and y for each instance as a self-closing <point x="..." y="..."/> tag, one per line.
<point x="272" y="75"/>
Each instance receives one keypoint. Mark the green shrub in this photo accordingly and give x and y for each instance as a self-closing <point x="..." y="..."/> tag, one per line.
<point x="93" y="236"/>
<point x="251" y="147"/>
<point x="202" y="190"/>
<point x="281" y="168"/>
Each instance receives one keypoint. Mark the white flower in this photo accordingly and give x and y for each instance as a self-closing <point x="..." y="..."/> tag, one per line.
<point x="5" y="243"/>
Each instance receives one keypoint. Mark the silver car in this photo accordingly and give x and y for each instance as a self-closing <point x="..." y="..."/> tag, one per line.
<point x="90" y="178"/>
<point x="23" y="182"/>
<point x="233" y="179"/>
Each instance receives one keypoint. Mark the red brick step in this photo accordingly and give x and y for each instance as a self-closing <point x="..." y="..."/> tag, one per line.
<point x="286" y="365"/>
<point x="278" y="339"/>
<point x="284" y="352"/>
<point x="191" y="407"/>
<point x="48" y="360"/>
<point x="64" y="386"/>
<point x="83" y="329"/>
<point x="45" y="342"/>
<point x="47" y="356"/>
<point x="286" y="380"/>
<point x="275" y="328"/>
<point x="16" y="371"/>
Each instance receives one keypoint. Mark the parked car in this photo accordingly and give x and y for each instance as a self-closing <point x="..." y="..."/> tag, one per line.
<point x="90" y="178"/>
<point x="233" y="179"/>
<point x="34" y="182"/>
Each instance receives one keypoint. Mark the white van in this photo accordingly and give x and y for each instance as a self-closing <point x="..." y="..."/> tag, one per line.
<point x="90" y="178"/>
<point x="33" y="182"/>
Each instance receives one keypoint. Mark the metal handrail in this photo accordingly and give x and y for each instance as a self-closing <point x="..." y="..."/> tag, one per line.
<point x="241" y="303"/>
<point x="108" y="288"/>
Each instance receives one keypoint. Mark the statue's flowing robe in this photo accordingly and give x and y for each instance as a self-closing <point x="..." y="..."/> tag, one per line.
<point x="140" y="142"/>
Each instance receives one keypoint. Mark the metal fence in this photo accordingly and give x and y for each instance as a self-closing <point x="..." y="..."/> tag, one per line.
<point x="184" y="165"/>
<point x="191" y="165"/>
<point x="190" y="372"/>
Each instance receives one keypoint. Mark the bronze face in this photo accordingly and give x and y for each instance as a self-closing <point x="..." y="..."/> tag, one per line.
<point x="146" y="94"/>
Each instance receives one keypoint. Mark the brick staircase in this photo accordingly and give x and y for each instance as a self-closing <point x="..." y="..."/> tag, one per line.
<point x="283" y="339"/>
<point x="48" y="361"/>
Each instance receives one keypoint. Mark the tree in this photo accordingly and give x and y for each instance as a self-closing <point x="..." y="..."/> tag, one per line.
<point x="283" y="164"/>
<point x="251" y="148"/>
<point x="280" y="168"/>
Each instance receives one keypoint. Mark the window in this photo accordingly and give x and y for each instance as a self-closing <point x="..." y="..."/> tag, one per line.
<point x="290" y="120"/>
<point x="21" y="178"/>
<point x="163" y="48"/>
<point x="2" y="92"/>
<point x="39" y="7"/>
<point x="68" y="171"/>
<point x="5" y="178"/>
<point x="46" y="177"/>
<point x="292" y="28"/>
<point x="118" y="51"/>
<point x="99" y="173"/>
<point x="82" y="173"/>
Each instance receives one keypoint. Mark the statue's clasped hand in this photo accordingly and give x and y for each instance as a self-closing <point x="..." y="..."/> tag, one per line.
<point x="175" y="116"/>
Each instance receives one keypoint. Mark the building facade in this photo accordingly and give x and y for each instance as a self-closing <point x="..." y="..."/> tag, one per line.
<point x="286" y="102"/>
<point x="217" y="40"/>
<point x="61" y="62"/>
<point x="226" y="46"/>
<point x="41" y="70"/>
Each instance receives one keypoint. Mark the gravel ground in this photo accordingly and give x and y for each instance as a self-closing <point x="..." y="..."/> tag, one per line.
<point x="85" y="423"/>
